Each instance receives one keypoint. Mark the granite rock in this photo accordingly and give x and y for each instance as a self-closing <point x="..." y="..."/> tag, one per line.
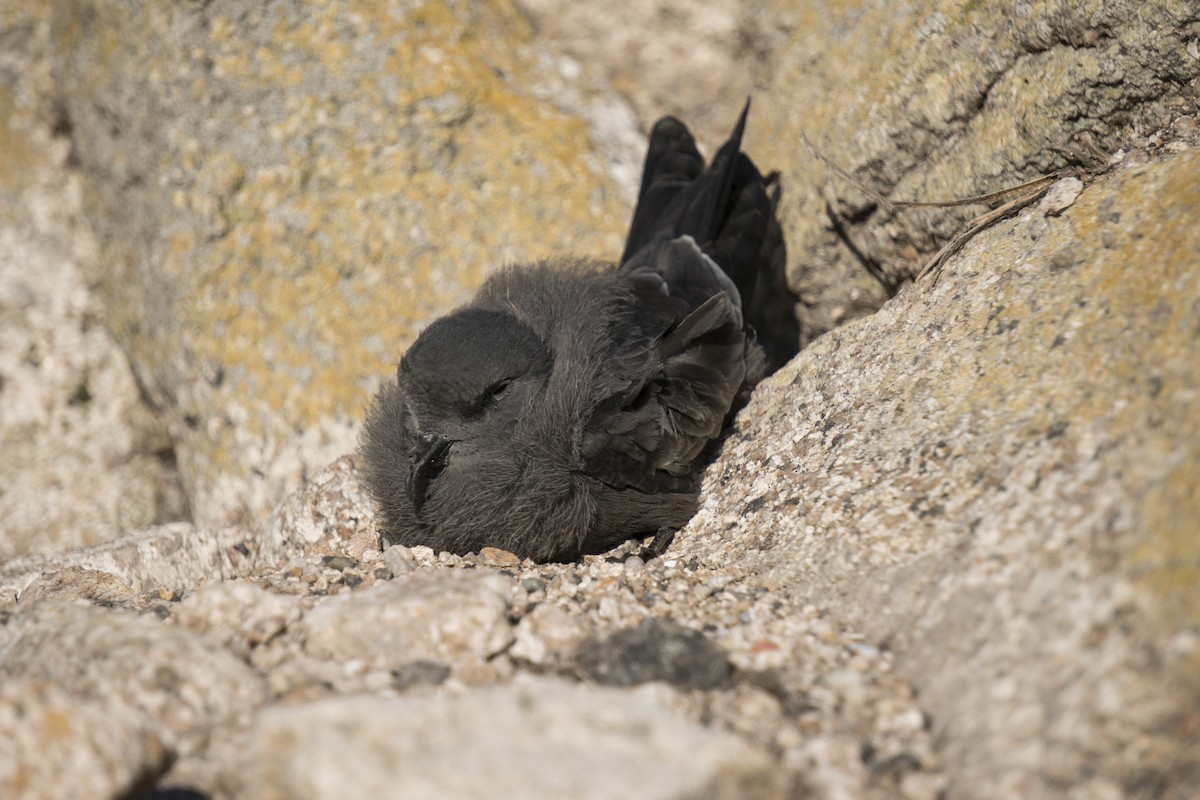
<point x="182" y="687"/>
<point x="696" y="59"/>
<point x="994" y="478"/>
<point x="238" y="615"/>
<point x="84" y="458"/>
<point x="331" y="516"/>
<point x="949" y="551"/>
<point x="58" y="745"/>
<point x="169" y="557"/>
<point x="70" y="583"/>
<point x="546" y="635"/>
<point x="456" y="618"/>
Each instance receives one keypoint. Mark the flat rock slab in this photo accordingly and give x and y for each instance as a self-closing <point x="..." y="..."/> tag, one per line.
<point x="456" y="618"/>
<point x="533" y="738"/>
<point x="169" y="556"/>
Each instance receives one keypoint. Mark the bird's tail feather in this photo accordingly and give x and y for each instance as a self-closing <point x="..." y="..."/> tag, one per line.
<point x="729" y="210"/>
<point x="678" y="196"/>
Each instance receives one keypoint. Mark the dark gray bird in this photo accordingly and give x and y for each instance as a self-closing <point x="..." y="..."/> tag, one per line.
<point x="572" y="405"/>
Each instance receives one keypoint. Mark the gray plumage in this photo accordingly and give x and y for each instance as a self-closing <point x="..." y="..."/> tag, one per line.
<point x="572" y="405"/>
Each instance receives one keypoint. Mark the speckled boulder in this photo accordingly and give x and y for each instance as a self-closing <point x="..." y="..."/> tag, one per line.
<point x="458" y="619"/>
<point x="83" y="459"/>
<point x="995" y="478"/>
<point x="171" y="679"/>
<point x="284" y="193"/>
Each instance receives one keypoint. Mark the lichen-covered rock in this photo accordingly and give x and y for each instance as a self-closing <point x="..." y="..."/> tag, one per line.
<point x="944" y="99"/>
<point x="181" y="686"/>
<point x="54" y="744"/>
<point x="535" y="738"/>
<point x="950" y="551"/>
<point x="995" y="478"/>
<point x="284" y="193"/>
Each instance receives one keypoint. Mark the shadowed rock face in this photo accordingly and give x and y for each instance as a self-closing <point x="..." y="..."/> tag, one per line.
<point x="950" y="550"/>
<point x="942" y="99"/>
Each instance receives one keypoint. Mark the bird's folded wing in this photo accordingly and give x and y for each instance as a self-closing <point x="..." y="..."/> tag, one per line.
<point x="648" y="434"/>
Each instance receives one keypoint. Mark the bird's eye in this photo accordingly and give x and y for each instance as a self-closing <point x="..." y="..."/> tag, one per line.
<point x="498" y="390"/>
<point x="489" y="397"/>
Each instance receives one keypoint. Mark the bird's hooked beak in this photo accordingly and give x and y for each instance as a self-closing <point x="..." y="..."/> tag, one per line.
<point x="428" y="461"/>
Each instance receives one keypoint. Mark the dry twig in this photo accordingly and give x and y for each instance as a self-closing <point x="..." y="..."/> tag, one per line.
<point x="1014" y="198"/>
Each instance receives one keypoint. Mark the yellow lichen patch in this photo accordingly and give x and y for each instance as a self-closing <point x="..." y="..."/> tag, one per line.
<point x="55" y="728"/>
<point x="1164" y="270"/>
<point x="1166" y="564"/>
<point x="19" y="157"/>
<point x="16" y="13"/>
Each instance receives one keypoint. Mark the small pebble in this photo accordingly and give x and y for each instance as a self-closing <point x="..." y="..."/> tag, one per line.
<point x="421" y="554"/>
<point x="533" y="584"/>
<point x="399" y="560"/>
<point x="339" y="562"/>
<point x="495" y="557"/>
<point x="419" y="673"/>
<point x="656" y="650"/>
<point x="1061" y="196"/>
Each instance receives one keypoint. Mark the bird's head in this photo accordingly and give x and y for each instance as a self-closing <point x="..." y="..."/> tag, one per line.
<point x="466" y="380"/>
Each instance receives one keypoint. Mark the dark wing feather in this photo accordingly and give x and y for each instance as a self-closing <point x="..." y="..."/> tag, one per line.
<point x="681" y="344"/>
<point x="729" y="210"/>
<point x="678" y="196"/>
<point x="679" y="379"/>
<point x="672" y="164"/>
<point x="706" y="204"/>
